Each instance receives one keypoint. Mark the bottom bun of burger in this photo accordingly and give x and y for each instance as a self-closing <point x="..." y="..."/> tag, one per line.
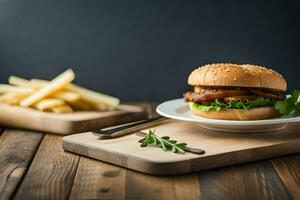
<point x="238" y="114"/>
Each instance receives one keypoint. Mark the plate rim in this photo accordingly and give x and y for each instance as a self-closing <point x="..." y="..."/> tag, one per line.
<point x="160" y="110"/>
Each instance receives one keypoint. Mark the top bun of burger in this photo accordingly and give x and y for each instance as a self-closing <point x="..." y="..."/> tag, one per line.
<point x="234" y="75"/>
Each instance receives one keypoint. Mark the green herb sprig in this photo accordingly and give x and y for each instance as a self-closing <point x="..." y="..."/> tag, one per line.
<point x="163" y="142"/>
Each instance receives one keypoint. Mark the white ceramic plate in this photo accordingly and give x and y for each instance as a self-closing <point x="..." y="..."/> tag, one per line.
<point x="178" y="109"/>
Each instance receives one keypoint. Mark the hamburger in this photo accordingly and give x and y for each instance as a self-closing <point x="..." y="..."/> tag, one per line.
<point x="235" y="92"/>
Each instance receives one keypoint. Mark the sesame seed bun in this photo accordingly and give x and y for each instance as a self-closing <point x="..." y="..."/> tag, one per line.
<point x="234" y="75"/>
<point x="238" y="114"/>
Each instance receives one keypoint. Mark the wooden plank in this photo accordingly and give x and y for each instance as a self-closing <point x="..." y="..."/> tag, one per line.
<point x="221" y="149"/>
<point x="288" y="169"/>
<point x="17" y="149"/>
<point x="248" y="181"/>
<point x="98" y="180"/>
<point x="51" y="173"/>
<point x="142" y="186"/>
<point x="81" y="121"/>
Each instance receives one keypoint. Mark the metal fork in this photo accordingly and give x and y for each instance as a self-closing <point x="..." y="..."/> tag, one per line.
<point x="124" y="129"/>
<point x="121" y="130"/>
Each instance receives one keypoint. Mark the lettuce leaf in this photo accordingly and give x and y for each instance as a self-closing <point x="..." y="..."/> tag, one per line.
<point x="285" y="107"/>
<point x="235" y="104"/>
<point x="290" y="104"/>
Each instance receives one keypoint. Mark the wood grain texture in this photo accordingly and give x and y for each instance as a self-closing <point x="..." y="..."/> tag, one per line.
<point x="17" y="149"/>
<point x="51" y="173"/>
<point x="288" y="169"/>
<point x="98" y="180"/>
<point x="248" y="181"/>
<point x="222" y="149"/>
<point x="143" y="186"/>
<point x="68" y="123"/>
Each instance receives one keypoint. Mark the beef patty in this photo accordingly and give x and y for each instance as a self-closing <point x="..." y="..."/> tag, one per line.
<point x="206" y="95"/>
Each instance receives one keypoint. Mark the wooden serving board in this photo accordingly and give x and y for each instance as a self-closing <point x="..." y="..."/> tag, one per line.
<point x="222" y="149"/>
<point x="77" y="122"/>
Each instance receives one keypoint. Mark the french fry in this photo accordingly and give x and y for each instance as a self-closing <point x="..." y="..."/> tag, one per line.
<point x="55" y="85"/>
<point x="64" y="95"/>
<point x="48" y="103"/>
<point x="9" y="98"/>
<point x="39" y="82"/>
<point x="58" y="95"/>
<point x="18" y="81"/>
<point x="62" y="109"/>
<point x="67" y="96"/>
<point x="94" y="98"/>
<point x="13" y="98"/>
<point x="4" y="88"/>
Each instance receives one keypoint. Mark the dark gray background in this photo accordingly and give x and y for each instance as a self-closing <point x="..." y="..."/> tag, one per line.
<point x="144" y="50"/>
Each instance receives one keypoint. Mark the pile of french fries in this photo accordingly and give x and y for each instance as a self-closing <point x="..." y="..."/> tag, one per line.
<point x="58" y="95"/>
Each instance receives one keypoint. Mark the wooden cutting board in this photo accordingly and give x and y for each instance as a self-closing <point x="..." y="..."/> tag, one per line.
<point x="77" y="122"/>
<point x="222" y="149"/>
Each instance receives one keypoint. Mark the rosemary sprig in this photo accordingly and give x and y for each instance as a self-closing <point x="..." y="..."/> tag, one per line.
<point x="163" y="142"/>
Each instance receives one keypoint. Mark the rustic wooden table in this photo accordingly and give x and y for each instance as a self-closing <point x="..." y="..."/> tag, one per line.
<point x="34" y="166"/>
